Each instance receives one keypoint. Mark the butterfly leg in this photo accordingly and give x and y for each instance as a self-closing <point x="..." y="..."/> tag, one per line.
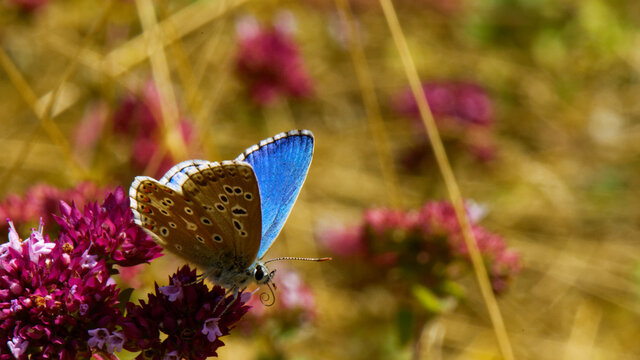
<point x="199" y="277"/>
<point x="236" y="292"/>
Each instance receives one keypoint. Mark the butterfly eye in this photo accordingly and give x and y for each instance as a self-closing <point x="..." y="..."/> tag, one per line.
<point x="258" y="274"/>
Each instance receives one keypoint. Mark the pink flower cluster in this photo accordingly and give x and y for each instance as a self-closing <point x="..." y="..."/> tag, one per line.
<point x="54" y="294"/>
<point x="463" y="112"/>
<point x="269" y="63"/>
<point x="110" y="230"/>
<point x="57" y="299"/>
<point x="183" y="320"/>
<point x="426" y="244"/>
<point x="41" y="202"/>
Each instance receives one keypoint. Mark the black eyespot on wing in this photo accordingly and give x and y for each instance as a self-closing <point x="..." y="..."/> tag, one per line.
<point x="239" y="211"/>
<point x="237" y="224"/>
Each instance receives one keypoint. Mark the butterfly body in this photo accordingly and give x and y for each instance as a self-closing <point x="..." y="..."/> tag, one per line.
<point x="224" y="216"/>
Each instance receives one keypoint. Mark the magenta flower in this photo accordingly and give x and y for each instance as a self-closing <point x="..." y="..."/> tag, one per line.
<point x="98" y="338"/>
<point x="138" y="113"/>
<point x="464" y="102"/>
<point x="51" y="299"/>
<point x="192" y="324"/>
<point x="269" y="63"/>
<point x="57" y="299"/>
<point x="107" y="231"/>
<point x="28" y="5"/>
<point x="90" y="130"/>
<point x="295" y="295"/>
<point x="211" y="329"/>
<point x="41" y="202"/>
<point x="137" y="119"/>
<point x="424" y="245"/>
<point x="344" y="241"/>
<point x="463" y="112"/>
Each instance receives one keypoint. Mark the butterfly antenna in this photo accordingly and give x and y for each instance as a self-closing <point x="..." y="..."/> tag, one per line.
<point x="298" y="258"/>
<point x="266" y="299"/>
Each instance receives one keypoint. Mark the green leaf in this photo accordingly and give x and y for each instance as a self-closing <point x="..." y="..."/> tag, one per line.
<point x="427" y="299"/>
<point x="454" y="289"/>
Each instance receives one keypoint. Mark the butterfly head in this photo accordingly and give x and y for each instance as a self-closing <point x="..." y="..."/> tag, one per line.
<point x="260" y="273"/>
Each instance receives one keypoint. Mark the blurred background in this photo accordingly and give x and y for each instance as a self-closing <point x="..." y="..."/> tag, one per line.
<point x="536" y="102"/>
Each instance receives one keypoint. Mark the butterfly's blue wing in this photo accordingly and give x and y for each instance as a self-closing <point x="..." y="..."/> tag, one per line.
<point x="281" y="164"/>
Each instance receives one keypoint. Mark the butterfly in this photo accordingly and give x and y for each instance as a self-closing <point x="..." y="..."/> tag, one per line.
<point x="224" y="216"/>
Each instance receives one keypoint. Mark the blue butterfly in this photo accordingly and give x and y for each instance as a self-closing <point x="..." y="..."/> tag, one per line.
<point x="224" y="216"/>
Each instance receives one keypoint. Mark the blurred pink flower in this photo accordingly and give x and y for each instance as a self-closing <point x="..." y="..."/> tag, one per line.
<point x="130" y="275"/>
<point x="138" y="113"/>
<point x="463" y="112"/>
<point x="269" y="63"/>
<point x="464" y="102"/>
<point x="380" y="220"/>
<point x="295" y="303"/>
<point x="347" y="241"/>
<point x="427" y="240"/>
<point x="28" y="5"/>
<point x="90" y="129"/>
<point x="42" y="202"/>
<point x="138" y="118"/>
<point x="295" y="295"/>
